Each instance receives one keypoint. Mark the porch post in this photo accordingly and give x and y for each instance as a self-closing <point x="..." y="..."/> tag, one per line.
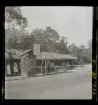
<point x="45" y="67"/>
<point x="42" y="67"/>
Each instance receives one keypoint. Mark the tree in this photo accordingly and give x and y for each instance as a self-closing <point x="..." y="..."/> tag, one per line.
<point x="14" y="35"/>
<point x="71" y="47"/>
<point x="51" y="33"/>
<point x="46" y="38"/>
<point x="82" y="47"/>
<point x="83" y="50"/>
<point x="89" y="43"/>
<point x="14" y="14"/>
<point x="61" y="46"/>
<point x="65" y="40"/>
<point x="85" y="53"/>
<point x="13" y="38"/>
<point x="14" y="18"/>
<point x="74" y="50"/>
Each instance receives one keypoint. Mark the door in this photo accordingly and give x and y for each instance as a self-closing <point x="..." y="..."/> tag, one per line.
<point x="32" y="64"/>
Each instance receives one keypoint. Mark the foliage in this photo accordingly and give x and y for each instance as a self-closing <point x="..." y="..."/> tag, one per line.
<point x="82" y="47"/>
<point x="62" y="46"/>
<point x="14" y="14"/>
<point x="74" y="50"/>
<point x="14" y="35"/>
<point x="89" y="43"/>
<point x="48" y="40"/>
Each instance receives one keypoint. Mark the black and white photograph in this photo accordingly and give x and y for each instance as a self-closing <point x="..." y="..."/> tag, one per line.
<point x="48" y="52"/>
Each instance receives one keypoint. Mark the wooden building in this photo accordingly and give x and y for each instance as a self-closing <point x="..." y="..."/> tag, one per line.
<point x="33" y="64"/>
<point x="58" y="60"/>
<point x="32" y="61"/>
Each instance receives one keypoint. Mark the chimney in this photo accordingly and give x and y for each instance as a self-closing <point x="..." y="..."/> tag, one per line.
<point x="36" y="49"/>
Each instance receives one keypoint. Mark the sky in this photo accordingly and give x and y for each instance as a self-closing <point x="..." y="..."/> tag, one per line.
<point x="75" y="23"/>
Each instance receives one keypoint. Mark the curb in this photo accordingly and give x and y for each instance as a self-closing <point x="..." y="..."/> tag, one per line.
<point x="53" y="73"/>
<point x="11" y="79"/>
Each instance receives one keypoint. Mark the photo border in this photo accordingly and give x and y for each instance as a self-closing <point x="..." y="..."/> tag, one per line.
<point x="93" y="56"/>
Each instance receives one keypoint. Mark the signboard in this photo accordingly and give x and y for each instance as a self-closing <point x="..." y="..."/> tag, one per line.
<point x="36" y="49"/>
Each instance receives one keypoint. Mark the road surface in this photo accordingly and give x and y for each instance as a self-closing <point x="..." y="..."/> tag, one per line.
<point x="73" y="85"/>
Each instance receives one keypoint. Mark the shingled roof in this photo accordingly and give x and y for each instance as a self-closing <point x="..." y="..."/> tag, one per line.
<point x="51" y="56"/>
<point x="43" y="55"/>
